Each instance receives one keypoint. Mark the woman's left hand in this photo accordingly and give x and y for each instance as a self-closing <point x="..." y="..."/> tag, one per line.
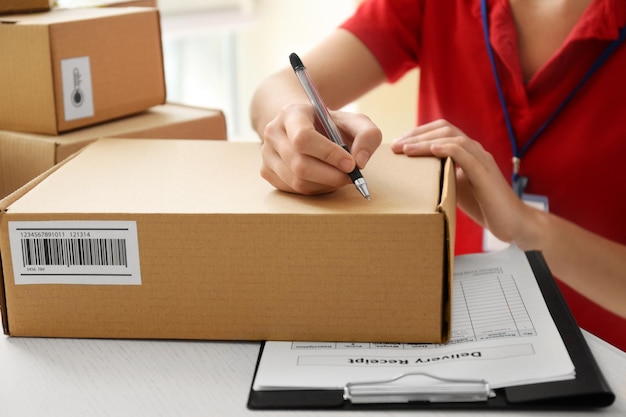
<point x="482" y="191"/>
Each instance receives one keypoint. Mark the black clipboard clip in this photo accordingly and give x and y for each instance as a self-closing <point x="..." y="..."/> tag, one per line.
<point x="398" y="390"/>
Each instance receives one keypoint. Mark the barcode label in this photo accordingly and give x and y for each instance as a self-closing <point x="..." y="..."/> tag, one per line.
<point x="75" y="252"/>
<point x="69" y="252"/>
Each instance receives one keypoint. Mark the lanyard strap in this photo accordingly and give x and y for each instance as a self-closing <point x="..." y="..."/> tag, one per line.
<point x="519" y="183"/>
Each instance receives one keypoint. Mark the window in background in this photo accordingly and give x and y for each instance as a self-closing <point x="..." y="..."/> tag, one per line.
<point x="217" y="51"/>
<point x="199" y="53"/>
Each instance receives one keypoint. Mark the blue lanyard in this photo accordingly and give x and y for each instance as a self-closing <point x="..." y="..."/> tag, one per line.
<point x="519" y="183"/>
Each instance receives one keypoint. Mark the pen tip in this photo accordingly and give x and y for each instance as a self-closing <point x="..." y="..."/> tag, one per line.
<point x="295" y="61"/>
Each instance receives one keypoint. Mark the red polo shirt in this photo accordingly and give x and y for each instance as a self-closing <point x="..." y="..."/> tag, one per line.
<point x="577" y="162"/>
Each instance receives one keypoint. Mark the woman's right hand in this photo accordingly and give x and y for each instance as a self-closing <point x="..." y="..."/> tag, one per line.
<point x="297" y="158"/>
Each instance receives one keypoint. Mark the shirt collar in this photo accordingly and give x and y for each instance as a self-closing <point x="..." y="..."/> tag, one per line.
<point x="602" y="20"/>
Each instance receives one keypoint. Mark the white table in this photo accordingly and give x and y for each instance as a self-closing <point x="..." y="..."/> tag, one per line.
<point x="90" y="378"/>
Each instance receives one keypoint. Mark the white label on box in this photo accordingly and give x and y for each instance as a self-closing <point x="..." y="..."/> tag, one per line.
<point x="75" y="252"/>
<point x="77" y="90"/>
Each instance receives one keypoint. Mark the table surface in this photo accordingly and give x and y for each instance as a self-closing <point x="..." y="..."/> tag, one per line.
<point x="84" y="377"/>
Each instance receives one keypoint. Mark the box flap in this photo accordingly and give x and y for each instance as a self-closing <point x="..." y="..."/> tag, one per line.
<point x="3" y="300"/>
<point x="145" y="165"/>
<point x="448" y="207"/>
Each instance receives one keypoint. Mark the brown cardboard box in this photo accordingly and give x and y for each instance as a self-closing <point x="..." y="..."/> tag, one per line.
<point x="21" y="6"/>
<point x="66" y="69"/>
<point x="23" y="156"/>
<point x="70" y="4"/>
<point x="186" y="241"/>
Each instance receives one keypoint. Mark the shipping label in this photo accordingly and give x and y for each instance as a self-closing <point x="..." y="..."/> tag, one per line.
<point x="75" y="252"/>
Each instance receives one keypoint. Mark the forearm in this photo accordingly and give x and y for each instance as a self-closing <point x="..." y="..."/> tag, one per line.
<point x="271" y="95"/>
<point x="341" y="66"/>
<point x="590" y="264"/>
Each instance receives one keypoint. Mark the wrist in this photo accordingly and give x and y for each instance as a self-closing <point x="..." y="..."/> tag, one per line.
<point x="534" y="229"/>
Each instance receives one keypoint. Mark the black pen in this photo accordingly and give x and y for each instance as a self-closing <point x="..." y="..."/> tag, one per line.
<point x="324" y="116"/>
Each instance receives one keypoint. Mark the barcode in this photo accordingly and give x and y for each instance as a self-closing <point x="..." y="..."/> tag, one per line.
<point x="74" y="252"/>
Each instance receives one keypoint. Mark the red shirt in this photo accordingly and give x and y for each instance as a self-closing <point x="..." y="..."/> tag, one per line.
<point x="577" y="162"/>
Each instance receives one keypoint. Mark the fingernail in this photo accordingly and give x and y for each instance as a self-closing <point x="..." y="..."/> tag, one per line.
<point x="346" y="165"/>
<point x="410" y="147"/>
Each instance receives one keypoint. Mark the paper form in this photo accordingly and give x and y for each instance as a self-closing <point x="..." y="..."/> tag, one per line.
<point x="502" y="332"/>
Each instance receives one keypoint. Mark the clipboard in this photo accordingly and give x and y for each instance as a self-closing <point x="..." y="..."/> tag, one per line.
<point x="589" y="389"/>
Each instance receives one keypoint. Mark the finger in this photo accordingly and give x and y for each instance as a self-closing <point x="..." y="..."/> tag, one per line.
<point x="411" y="142"/>
<point x="422" y="145"/>
<point x="476" y="163"/>
<point x="270" y="167"/>
<point x="276" y="149"/>
<point x="277" y="172"/>
<point x="490" y="189"/>
<point x="305" y="139"/>
<point x="426" y="127"/>
<point x="366" y="136"/>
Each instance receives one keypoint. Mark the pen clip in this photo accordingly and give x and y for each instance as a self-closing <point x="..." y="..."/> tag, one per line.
<point x="430" y="389"/>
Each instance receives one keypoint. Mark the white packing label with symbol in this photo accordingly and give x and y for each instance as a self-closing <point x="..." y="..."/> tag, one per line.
<point x="77" y="90"/>
<point x="75" y="252"/>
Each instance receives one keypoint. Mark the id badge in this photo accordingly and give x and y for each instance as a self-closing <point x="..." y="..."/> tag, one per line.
<point x="492" y="243"/>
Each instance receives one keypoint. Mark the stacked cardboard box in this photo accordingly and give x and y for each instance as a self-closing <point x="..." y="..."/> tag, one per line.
<point x="22" y="6"/>
<point x="72" y="4"/>
<point x="23" y="156"/>
<point x="74" y="68"/>
<point x="77" y="74"/>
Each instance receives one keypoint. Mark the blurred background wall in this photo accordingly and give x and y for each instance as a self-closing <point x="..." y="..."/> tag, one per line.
<point x="217" y="51"/>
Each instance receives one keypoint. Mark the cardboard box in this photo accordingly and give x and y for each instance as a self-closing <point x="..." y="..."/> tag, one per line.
<point x="21" y="6"/>
<point x="23" y="156"/>
<point x="71" y="4"/>
<point x="187" y="241"/>
<point x="66" y="69"/>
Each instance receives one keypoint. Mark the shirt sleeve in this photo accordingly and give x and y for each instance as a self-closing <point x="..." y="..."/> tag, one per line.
<point x="390" y="29"/>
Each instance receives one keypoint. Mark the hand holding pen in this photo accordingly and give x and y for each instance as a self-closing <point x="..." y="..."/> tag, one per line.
<point x="325" y="119"/>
